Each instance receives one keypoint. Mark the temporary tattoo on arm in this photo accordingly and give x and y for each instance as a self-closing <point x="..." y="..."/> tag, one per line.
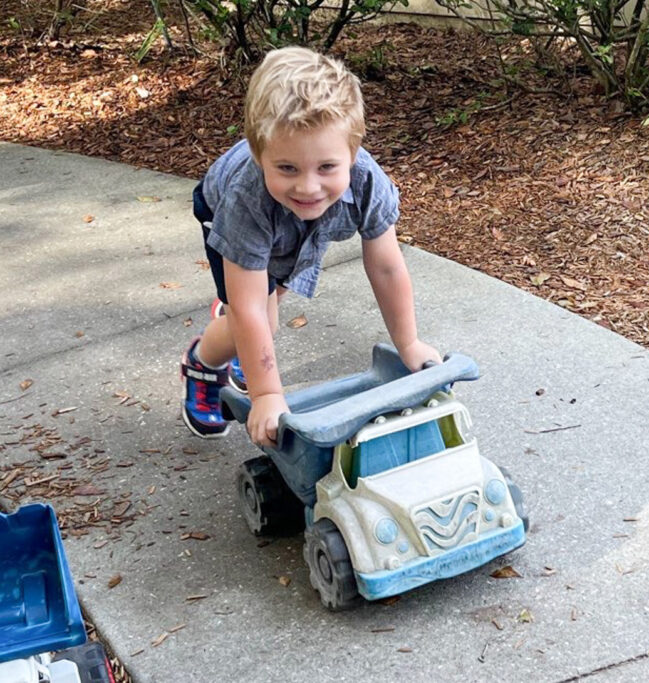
<point x="267" y="360"/>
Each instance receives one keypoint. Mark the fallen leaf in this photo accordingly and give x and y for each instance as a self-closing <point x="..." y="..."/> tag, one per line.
<point x="571" y="282"/>
<point x="121" y="508"/>
<point x="498" y="234"/>
<point x="100" y="544"/>
<point x="114" y="580"/>
<point x="87" y="490"/>
<point x="284" y="580"/>
<point x="203" y="264"/>
<point x="391" y="600"/>
<point x="506" y="572"/>
<point x="405" y="649"/>
<point x="88" y="218"/>
<point x="296" y="323"/>
<point x="539" y="278"/>
<point x="448" y="192"/>
<point x="148" y="199"/>
<point x="525" y="617"/>
<point x="591" y="238"/>
<point x="193" y="598"/>
<point x="26" y="383"/>
<point x="188" y="322"/>
<point x="79" y="333"/>
<point x="170" y="285"/>
<point x="196" y="535"/>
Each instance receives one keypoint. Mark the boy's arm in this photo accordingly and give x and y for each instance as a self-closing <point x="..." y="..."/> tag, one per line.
<point x="390" y="280"/>
<point x="248" y="321"/>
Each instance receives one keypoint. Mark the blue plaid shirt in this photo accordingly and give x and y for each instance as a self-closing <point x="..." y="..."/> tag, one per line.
<point x="256" y="232"/>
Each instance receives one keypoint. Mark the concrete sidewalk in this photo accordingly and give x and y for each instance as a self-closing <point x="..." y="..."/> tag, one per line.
<point x="96" y="315"/>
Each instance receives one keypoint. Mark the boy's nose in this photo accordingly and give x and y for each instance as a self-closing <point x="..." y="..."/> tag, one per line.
<point x="307" y="184"/>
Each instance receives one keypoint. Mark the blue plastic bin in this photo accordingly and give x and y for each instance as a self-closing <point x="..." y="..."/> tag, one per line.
<point x="39" y="610"/>
<point x="325" y="415"/>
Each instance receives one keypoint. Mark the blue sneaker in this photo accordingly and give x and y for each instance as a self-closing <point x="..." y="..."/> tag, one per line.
<point x="236" y="377"/>
<point x="235" y="373"/>
<point x="201" y="406"/>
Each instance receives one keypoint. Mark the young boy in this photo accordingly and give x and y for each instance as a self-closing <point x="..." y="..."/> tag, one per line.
<point x="269" y="207"/>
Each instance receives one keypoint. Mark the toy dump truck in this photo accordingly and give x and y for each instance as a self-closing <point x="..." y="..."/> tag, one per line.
<point x="383" y="471"/>
<point x="39" y="611"/>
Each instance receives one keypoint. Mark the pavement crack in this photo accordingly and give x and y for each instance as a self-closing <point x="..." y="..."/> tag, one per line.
<point x="605" y="667"/>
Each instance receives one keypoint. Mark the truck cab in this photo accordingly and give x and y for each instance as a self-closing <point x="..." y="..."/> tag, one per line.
<point x="415" y="501"/>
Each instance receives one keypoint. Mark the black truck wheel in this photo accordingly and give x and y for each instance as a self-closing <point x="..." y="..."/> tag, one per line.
<point x="517" y="497"/>
<point x="269" y="506"/>
<point x="330" y="567"/>
<point x="91" y="660"/>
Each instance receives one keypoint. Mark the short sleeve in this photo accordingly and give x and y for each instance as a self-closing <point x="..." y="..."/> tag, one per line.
<point x="241" y="231"/>
<point x="379" y="199"/>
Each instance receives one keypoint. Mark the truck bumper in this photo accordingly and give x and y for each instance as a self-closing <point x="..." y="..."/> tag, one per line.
<point x="421" y="570"/>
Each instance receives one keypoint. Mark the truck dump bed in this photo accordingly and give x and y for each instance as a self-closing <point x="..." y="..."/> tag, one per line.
<point x="325" y="415"/>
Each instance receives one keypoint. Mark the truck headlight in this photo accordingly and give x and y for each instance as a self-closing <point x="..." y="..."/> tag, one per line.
<point x="495" y="492"/>
<point x="386" y="530"/>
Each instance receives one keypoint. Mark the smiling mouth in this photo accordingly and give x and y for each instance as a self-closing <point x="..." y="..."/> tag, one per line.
<point x="310" y="202"/>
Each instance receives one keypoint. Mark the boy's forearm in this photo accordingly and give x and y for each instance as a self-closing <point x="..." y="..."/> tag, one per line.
<point x="393" y="292"/>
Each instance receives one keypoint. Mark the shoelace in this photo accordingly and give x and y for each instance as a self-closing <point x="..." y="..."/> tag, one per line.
<point x="207" y="396"/>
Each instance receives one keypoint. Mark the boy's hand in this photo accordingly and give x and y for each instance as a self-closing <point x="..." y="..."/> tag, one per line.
<point x="263" y="418"/>
<point x="417" y="353"/>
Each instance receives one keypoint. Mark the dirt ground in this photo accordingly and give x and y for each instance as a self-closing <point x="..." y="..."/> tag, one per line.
<point x="544" y="190"/>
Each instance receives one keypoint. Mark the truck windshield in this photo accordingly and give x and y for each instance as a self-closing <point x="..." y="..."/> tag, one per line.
<point x="399" y="448"/>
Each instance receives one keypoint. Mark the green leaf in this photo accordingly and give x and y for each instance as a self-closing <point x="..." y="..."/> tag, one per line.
<point x="150" y="39"/>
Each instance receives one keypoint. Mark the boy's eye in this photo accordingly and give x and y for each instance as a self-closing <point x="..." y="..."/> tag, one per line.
<point x="286" y="168"/>
<point x="327" y="167"/>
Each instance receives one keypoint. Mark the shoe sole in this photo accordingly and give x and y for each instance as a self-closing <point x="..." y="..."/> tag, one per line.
<point x="234" y="385"/>
<point x="195" y="432"/>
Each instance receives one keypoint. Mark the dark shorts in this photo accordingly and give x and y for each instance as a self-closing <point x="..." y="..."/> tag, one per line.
<point x="203" y="213"/>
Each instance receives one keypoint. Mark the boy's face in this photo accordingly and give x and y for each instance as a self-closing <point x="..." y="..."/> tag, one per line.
<point x="307" y="171"/>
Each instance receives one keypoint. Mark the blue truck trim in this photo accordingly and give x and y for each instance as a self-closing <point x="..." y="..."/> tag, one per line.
<point x="421" y="570"/>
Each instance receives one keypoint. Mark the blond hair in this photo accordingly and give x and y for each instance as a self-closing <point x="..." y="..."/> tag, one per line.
<point x="298" y="89"/>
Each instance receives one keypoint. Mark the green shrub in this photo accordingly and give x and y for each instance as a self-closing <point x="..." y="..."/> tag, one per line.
<point x="611" y="35"/>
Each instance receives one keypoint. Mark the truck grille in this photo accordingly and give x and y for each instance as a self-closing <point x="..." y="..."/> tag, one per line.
<point x="446" y="523"/>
